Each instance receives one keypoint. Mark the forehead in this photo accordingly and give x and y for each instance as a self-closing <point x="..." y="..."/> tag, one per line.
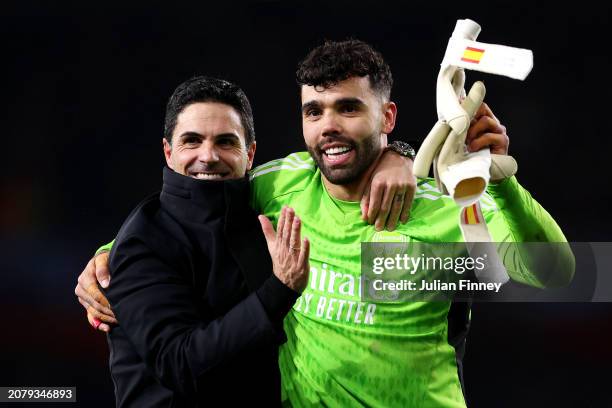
<point x="209" y="119"/>
<point x="354" y="87"/>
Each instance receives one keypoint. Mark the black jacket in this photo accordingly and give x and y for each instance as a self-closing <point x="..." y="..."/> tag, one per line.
<point x="200" y="312"/>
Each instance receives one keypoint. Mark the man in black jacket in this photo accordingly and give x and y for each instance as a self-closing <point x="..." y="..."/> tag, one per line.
<point x="201" y="311"/>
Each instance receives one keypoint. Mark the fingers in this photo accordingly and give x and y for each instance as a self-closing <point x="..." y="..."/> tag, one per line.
<point x="365" y="203"/>
<point x="484" y="110"/>
<point x="87" y="290"/>
<point x="93" y="321"/>
<point x="101" y="268"/>
<point x="96" y="314"/>
<point x="405" y="214"/>
<point x="396" y="209"/>
<point x="88" y="276"/>
<point x="289" y="214"/>
<point x="385" y="207"/>
<point x="377" y="191"/>
<point x="496" y="141"/>
<point x="97" y="324"/>
<point x="267" y="229"/>
<point x="294" y="239"/>
<point x="304" y="253"/>
<point x="486" y="131"/>
<point x="83" y="295"/>
<point x="96" y="302"/>
<point x="280" y="225"/>
<point x="288" y="266"/>
<point x="93" y="297"/>
<point x="483" y="125"/>
<point x="99" y="298"/>
<point x="100" y="304"/>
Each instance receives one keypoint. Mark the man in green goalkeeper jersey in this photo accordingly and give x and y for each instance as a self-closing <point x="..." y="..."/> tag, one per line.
<point x="343" y="351"/>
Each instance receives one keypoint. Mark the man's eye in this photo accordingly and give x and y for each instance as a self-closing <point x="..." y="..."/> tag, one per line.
<point x="349" y="109"/>
<point x="192" y="140"/>
<point x="225" y="142"/>
<point x="313" y="112"/>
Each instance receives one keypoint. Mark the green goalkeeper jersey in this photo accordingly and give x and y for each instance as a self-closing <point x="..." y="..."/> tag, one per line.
<point x="342" y="351"/>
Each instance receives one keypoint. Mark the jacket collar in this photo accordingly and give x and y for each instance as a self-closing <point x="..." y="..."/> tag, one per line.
<point x="201" y="201"/>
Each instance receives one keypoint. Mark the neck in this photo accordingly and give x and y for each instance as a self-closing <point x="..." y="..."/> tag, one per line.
<point x="352" y="191"/>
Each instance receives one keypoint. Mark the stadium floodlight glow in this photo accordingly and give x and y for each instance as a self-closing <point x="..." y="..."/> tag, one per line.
<point x="462" y="175"/>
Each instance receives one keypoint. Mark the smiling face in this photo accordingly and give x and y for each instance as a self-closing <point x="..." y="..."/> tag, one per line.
<point x="208" y="143"/>
<point x="345" y="127"/>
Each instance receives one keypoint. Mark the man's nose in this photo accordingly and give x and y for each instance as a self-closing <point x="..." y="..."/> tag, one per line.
<point x="330" y="124"/>
<point x="207" y="153"/>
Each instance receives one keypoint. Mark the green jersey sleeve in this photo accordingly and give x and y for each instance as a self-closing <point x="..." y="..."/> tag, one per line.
<point x="280" y="178"/>
<point x="520" y="218"/>
<point x="105" y="247"/>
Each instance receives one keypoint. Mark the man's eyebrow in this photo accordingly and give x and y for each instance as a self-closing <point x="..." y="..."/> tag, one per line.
<point x="340" y="102"/>
<point x="190" y="134"/>
<point x="227" y="136"/>
<point x="349" y="101"/>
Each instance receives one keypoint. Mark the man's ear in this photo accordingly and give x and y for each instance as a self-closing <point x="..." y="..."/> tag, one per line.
<point x="389" y="116"/>
<point x="167" y="152"/>
<point x="251" y="155"/>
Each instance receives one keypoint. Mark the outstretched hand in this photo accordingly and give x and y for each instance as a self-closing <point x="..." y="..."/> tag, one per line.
<point x="289" y="253"/>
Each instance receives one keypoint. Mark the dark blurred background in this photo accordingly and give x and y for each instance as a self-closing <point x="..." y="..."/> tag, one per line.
<point x="85" y="88"/>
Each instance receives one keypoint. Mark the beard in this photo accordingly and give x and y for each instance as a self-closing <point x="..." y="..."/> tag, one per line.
<point x="366" y="152"/>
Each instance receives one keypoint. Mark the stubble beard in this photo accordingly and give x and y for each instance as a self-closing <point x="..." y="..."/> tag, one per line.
<point x="366" y="153"/>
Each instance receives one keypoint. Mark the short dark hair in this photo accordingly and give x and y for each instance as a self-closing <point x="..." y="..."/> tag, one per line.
<point x="207" y="89"/>
<point x="335" y="61"/>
